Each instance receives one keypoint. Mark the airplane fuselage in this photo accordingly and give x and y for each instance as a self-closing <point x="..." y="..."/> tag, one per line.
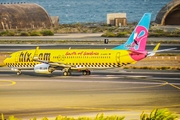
<point x="88" y="58"/>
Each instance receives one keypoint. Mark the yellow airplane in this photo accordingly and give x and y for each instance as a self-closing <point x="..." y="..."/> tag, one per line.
<point x="45" y="61"/>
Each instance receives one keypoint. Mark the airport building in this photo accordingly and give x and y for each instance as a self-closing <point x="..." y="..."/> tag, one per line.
<point x="117" y="19"/>
<point x="22" y="15"/>
<point x="169" y="14"/>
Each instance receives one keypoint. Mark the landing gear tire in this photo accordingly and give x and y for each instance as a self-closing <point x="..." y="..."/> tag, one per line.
<point x="86" y="72"/>
<point x="19" y="73"/>
<point x="69" y="73"/>
<point x="66" y="73"/>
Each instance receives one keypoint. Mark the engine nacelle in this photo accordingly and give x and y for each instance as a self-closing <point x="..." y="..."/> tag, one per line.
<point x="43" y="68"/>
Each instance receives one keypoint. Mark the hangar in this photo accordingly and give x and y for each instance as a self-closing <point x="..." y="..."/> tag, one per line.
<point x="169" y="14"/>
<point x="23" y="16"/>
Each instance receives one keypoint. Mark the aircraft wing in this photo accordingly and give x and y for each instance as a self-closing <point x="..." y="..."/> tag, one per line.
<point x="57" y="64"/>
<point x="51" y="63"/>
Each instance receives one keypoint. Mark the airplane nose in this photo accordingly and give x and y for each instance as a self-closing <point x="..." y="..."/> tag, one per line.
<point x="5" y="61"/>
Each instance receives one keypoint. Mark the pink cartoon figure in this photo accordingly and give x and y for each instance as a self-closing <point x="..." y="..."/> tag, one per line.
<point x="140" y="38"/>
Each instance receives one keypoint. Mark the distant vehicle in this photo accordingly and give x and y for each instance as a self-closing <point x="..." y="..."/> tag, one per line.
<point x="45" y="61"/>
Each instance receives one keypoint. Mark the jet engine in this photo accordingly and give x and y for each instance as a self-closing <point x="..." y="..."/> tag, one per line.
<point x="43" y="68"/>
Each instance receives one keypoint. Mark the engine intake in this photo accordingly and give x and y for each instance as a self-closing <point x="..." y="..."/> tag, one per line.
<point x="43" y="68"/>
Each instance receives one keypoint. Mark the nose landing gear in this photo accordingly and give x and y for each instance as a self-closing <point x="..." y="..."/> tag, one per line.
<point x="18" y="72"/>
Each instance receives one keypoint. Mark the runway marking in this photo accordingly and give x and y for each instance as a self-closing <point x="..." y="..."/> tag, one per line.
<point x="156" y="83"/>
<point x="160" y="84"/>
<point x="10" y="83"/>
<point x="174" y="86"/>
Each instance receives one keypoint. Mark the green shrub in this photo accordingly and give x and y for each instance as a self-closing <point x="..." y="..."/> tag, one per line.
<point x="24" y="34"/>
<point x="44" y="118"/>
<point x="159" y="114"/>
<point x="84" y="118"/>
<point x="2" y="117"/>
<point x="102" y="117"/>
<point x="12" y="118"/>
<point x="157" y="34"/>
<point x="159" y="31"/>
<point x="11" y="33"/>
<point x="47" y="33"/>
<point x="152" y="68"/>
<point x="59" y="117"/>
<point x="122" y="34"/>
<point x="156" y="114"/>
<point x="35" y="33"/>
<point x="108" y="34"/>
<point x="7" y="33"/>
<point x="4" y="33"/>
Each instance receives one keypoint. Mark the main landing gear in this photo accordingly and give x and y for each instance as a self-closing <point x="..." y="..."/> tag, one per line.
<point x="68" y="72"/>
<point x="86" y="72"/>
<point x="16" y="70"/>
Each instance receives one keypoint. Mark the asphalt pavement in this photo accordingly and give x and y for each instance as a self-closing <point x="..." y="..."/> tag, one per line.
<point x="124" y="93"/>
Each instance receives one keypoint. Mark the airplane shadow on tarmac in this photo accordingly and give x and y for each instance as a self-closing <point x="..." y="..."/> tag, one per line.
<point x="55" y="74"/>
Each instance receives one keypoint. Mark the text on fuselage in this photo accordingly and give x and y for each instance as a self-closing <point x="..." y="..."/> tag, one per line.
<point x="27" y="57"/>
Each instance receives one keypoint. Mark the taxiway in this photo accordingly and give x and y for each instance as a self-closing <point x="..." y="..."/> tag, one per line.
<point x="127" y="93"/>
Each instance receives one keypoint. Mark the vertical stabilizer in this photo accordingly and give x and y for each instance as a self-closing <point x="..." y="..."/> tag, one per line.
<point x="138" y="38"/>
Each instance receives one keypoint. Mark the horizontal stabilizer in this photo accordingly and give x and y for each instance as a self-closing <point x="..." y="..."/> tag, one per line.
<point x="152" y="53"/>
<point x="166" y="49"/>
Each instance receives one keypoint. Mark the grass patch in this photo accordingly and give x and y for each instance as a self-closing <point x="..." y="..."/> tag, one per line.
<point x="24" y="34"/>
<point x="159" y="114"/>
<point x="152" y="67"/>
<point x="43" y="32"/>
<point x="156" y="114"/>
<point x="47" y="33"/>
<point x="109" y="31"/>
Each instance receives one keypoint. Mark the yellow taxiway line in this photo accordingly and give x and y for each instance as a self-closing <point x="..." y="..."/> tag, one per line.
<point x="7" y="83"/>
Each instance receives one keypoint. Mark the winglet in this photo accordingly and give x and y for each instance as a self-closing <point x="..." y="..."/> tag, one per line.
<point x="156" y="48"/>
<point x="35" y="57"/>
<point x="152" y="53"/>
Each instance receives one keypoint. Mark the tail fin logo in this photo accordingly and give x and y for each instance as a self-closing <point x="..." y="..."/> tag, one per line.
<point x="140" y="38"/>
